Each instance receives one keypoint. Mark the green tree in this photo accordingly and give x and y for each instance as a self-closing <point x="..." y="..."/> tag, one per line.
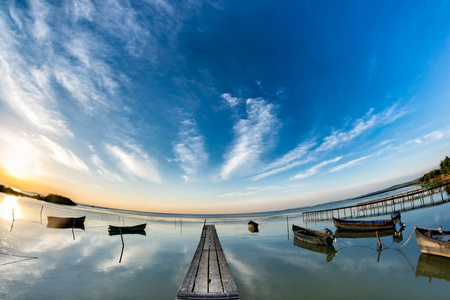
<point x="445" y="165"/>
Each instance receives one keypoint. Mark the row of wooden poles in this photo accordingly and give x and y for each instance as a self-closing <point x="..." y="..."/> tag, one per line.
<point x="399" y="202"/>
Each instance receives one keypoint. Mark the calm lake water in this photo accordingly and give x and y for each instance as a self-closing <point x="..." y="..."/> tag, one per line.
<point x="37" y="262"/>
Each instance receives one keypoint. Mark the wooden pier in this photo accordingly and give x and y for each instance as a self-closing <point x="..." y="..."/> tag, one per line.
<point x="399" y="202"/>
<point x="208" y="276"/>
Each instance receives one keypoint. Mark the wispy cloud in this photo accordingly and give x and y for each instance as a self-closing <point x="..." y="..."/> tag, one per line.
<point x="350" y="163"/>
<point x="232" y="101"/>
<point x="135" y="162"/>
<point x="35" y="58"/>
<point x="253" y="137"/>
<point x="190" y="148"/>
<point x="293" y="158"/>
<point x="315" y="169"/>
<point x="307" y="151"/>
<point x="55" y="152"/>
<point x="368" y="122"/>
<point x="102" y="170"/>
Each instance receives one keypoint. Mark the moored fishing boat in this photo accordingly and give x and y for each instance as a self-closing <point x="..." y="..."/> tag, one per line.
<point x="313" y="236"/>
<point x="62" y="222"/>
<point x="432" y="241"/>
<point x="127" y="229"/>
<point x="368" y="225"/>
<point x="253" y="226"/>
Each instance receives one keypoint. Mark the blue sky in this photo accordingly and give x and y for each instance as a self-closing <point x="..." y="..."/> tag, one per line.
<point x="221" y="106"/>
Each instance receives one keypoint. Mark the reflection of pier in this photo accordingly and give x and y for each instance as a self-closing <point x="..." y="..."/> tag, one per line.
<point x="399" y="202"/>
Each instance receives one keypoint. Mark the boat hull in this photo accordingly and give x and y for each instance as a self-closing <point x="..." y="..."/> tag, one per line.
<point x="364" y="225"/>
<point x="58" y="222"/>
<point x="312" y="236"/>
<point x="429" y="245"/>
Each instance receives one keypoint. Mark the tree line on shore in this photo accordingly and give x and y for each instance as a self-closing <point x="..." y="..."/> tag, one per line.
<point x="52" y="198"/>
<point x="435" y="174"/>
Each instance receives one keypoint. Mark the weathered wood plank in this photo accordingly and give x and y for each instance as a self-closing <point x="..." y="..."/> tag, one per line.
<point x="201" y="280"/>
<point x="215" y="285"/>
<point x="189" y="280"/>
<point x="227" y="278"/>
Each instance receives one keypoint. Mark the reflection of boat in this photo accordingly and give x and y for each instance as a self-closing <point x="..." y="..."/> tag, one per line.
<point x="313" y="236"/>
<point x="398" y="236"/>
<point x="433" y="266"/>
<point x="141" y="232"/>
<point x="58" y="222"/>
<point x="138" y="229"/>
<point x="352" y="234"/>
<point x="328" y="249"/>
<point x="431" y="241"/>
<point x="368" y="225"/>
<point x="253" y="226"/>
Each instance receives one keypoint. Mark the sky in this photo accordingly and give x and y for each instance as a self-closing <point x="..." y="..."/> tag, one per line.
<point x="221" y="106"/>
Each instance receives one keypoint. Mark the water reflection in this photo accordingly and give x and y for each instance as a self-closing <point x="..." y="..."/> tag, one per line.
<point x="397" y="236"/>
<point x="351" y="234"/>
<point x="264" y="265"/>
<point x="433" y="266"/>
<point x="329" y="251"/>
<point x="9" y="209"/>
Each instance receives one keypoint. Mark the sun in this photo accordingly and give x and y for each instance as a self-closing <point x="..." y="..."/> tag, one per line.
<point x="9" y="209"/>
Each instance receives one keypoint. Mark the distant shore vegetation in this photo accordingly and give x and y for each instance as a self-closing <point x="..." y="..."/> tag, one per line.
<point x="52" y="198"/>
<point x="438" y="174"/>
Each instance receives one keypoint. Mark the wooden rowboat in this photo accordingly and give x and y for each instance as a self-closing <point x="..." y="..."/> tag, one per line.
<point x="369" y="225"/>
<point x="432" y="241"/>
<point x="364" y="225"/>
<point x="253" y="226"/>
<point x="59" y="222"/>
<point x="127" y="229"/>
<point x="313" y="236"/>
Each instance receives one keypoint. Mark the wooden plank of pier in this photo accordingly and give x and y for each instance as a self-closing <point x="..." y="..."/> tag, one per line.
<point x="208" y="276"/>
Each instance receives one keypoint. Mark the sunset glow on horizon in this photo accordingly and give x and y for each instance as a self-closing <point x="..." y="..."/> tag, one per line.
<point x="221" y="106"/>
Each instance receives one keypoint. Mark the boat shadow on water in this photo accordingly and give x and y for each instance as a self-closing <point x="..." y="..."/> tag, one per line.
<point x="433" y="266"/>
<point x="329" y="251"/>
<point x="397" y="236"/>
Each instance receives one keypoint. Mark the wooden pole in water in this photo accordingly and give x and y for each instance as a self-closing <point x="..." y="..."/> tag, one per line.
<point x="41" y="212"/>
<point x="13" y="214"/>
<point x="73" y="225"/>
<point x="287" y="225"/>
<point x="123" y="245"/>
<point x="379" y="244"/>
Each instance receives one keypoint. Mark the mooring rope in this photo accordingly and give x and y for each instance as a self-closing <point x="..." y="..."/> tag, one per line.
<point x="13" y="262"/>
<point x="381" y="243"/>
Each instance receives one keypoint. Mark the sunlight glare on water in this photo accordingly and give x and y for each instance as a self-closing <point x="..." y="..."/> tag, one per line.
<point x="9" y="208"/>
